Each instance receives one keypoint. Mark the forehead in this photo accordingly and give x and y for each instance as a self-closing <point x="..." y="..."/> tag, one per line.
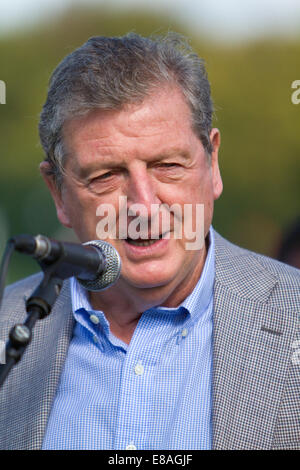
<point x="160" y="123"/>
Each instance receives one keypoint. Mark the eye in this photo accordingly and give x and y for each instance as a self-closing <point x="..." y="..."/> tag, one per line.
<point x="103" y="182"/>
<point x="102" y="177"/>
<point x="169" y="171"/>
<point x="169" y="165"/>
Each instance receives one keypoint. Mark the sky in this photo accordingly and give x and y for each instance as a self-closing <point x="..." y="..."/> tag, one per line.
<point x="219" y="19"/>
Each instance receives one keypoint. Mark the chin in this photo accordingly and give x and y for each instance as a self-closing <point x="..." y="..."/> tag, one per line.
<point x="150" y="281"/>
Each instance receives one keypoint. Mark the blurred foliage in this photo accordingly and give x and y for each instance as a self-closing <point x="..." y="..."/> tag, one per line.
<point x="251" y="87"/>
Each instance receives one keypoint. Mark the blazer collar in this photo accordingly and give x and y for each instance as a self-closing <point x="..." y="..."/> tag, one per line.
<point x="240" y="272"/>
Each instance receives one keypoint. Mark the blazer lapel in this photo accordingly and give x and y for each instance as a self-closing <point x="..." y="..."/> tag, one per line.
<point x="40" y="367"/>
<point x="57" y="343"/>
<point x="252" y="343"/>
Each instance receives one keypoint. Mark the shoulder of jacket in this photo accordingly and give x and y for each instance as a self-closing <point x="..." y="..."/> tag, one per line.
<point x="252" y="273"/>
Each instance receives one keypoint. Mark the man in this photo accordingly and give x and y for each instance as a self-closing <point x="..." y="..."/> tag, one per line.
<point x="191" y="348"/>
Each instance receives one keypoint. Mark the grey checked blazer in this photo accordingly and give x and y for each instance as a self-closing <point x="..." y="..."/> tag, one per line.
<point x="256" y="368"/>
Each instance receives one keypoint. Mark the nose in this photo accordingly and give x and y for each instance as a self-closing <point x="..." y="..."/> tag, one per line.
<point x="141" y="190"/>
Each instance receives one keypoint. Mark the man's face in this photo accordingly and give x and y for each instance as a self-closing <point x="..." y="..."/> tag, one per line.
<point x="147" y="154"/>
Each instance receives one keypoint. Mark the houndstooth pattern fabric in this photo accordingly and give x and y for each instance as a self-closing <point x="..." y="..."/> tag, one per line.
<point x="27" y="394"/>
<point x="256" y="399"/>
<point x="256" y="379"/>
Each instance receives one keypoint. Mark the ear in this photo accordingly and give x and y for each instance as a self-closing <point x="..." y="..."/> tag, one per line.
<point x="56" y="193"/>
<point x="215" y="139"/>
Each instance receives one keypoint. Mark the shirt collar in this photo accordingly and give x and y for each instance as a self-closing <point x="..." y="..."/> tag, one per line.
<point x="201" y="296"/>
<point x="196" y="303"/>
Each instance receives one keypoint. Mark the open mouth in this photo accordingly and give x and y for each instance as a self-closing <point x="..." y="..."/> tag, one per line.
<point x="143" y="241"/>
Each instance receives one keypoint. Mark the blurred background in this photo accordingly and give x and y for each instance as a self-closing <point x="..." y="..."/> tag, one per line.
<point x="252" y="55"/>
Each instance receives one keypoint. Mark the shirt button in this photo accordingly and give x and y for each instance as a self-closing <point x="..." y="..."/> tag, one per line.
<point x="95" y="339"/>
<point x="139" y="369"/>
<point x="184" y="332"/>
<point x="94" y="319"/>
<point x="130" y="447"/>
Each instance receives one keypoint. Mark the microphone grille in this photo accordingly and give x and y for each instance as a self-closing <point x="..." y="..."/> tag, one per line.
<point x="112" y="269"/>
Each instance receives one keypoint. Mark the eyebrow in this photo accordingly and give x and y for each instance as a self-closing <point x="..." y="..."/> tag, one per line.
<point x="172" y="154"/>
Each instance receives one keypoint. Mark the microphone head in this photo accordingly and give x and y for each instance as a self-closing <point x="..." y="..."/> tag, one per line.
<point x="112" y="270"/>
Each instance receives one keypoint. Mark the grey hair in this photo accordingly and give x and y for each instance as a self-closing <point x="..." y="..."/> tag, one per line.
<point x="109" y="72"/>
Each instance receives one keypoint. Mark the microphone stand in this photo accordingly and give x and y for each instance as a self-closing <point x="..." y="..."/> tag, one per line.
<point x="38" y="306"/>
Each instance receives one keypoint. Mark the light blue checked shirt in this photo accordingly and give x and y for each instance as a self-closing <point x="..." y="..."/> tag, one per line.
<point x="154" y="393"/>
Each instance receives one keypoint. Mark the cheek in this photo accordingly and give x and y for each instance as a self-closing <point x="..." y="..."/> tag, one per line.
<point x="81" y="212"/>
<point x="200" y="192"/>
<point x="197" y="190"/>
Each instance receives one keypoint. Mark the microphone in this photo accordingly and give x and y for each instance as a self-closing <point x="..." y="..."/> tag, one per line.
<point x="95" y="264"/>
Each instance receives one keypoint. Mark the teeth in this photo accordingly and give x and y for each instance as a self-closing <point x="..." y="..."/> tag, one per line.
<point x="141" y="243"/>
